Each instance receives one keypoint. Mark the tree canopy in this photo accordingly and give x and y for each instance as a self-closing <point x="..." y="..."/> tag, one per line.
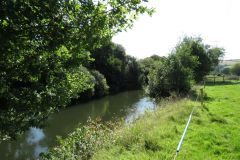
<point x="190" y="61"/>
<point x="121" y="71"/>
<point x="205" y="57"/>
<point x="44" y="46"/>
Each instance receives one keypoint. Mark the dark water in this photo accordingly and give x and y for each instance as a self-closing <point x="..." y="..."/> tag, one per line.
<point x="128" y="105"/>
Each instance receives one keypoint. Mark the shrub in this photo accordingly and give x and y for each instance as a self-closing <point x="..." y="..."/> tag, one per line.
<point x="83" y="142"/>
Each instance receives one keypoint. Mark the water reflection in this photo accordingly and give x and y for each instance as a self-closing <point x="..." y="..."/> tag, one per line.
<point x="39" y="149"/>
<point x="139" y="108"/>
<point x="126" y="104"/>
<point x="26" y="147"/>
<point x="35" y="135"/>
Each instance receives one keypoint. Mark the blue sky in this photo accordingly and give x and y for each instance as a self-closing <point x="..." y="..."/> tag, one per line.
<point x="216" y="21"/>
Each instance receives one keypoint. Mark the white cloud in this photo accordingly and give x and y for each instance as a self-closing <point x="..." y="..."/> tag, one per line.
<point x="216" y="21"/>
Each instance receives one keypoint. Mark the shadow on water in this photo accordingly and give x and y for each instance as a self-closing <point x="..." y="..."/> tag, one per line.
<point x="128" y="105"/>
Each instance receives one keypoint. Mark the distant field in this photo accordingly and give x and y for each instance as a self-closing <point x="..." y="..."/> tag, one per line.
<point x="230" y="62"/>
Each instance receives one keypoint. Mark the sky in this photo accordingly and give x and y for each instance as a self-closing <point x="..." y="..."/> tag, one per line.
<point x="217" y="22"/>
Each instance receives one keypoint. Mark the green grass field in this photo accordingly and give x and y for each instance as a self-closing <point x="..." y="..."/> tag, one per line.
<point x="214" y="132"/>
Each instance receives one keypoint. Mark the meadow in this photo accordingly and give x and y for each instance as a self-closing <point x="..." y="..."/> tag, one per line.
<point x="213" y="132"/>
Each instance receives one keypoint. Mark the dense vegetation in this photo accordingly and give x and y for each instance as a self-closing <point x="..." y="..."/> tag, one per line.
<point x="190" y="61"/>
<point x="45" y="51"/>
<point x="121" y="71"/>
<point x="213" y="132"/>
<point x="60" y="52"/>
<point x="161" y="76"/>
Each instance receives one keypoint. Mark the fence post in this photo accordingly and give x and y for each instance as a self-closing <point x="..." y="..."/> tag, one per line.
<point x="214" y="78"/>
<point x="201" y="95"/>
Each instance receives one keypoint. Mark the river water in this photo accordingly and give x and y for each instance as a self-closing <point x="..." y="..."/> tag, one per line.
<point x="128" y="105"/>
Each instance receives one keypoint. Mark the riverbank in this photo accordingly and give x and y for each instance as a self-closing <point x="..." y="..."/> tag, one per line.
<point x="212" y="134"/>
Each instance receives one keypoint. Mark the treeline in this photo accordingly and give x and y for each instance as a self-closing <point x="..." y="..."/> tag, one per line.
<point x="47" y="56"/>
<point x="110" y="71"/>
<point x="189" y="62"/>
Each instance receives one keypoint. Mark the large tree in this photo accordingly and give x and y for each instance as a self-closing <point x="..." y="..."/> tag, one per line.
<point x="194" y="48"/>
<point x="43" y="45"/>
<point x="171" y="75"/>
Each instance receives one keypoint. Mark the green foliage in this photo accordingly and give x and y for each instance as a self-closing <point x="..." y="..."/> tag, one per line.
<point x="29" y="104"/>
<point x="83" y="142"/>
<point x="194" y="47"/>
<point x="132" y="73"/>
<point x="236" y="69"/>
<point x="170" y="76"/>
<point x="43" y="45"/>
<point x="146" y="65"/>
<point x="100" y="88"/>
<point x="121" y="71"/>
<point x="190" y="61"/>
<point x="215" y="54"/>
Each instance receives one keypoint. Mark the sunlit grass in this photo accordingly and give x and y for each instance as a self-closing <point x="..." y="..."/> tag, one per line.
<point x="212" y="134"/>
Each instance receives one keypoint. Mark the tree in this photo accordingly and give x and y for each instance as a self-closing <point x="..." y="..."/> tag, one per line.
<point x="110" y="61"/>
<point x="147" y="65"/>
<point x="170" y="76"/>
<point x="100" y="84"/>
<point x="43" y="47"/>
<point x="215" y="54"/>
<point x="132" y="73"/>
<point x="236" y="69"/>
<point x="121" y="71"/>
<point x="195" y="47"/>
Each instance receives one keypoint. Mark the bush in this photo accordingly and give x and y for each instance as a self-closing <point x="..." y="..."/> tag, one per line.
<point x="83" y="142"/>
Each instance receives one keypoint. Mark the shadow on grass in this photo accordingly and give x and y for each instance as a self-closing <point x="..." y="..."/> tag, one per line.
<point x="195" y="96"/>
<point x="207" y="98"/>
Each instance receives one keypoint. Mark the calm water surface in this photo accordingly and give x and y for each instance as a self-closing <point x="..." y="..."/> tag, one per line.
<point x="128" y="105"/>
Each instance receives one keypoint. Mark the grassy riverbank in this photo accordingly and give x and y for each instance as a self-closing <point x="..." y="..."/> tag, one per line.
<point x="212" y="134"/>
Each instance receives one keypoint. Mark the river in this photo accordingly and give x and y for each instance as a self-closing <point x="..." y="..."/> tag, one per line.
<point x="128" y="105"/>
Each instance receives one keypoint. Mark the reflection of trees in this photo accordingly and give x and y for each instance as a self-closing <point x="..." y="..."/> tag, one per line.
<point x="119" y="104"/>
<point x="105" y="107"/>
<point x="29" y="145"/>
